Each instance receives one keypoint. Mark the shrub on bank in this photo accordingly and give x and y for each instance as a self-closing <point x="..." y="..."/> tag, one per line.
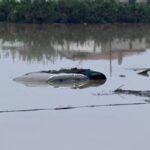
<point x="73" y="11"/>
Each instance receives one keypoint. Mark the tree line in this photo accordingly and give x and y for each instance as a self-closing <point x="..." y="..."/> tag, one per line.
<point x="73" y="11"/>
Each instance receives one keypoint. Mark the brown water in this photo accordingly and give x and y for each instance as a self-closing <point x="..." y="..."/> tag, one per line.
<point x="97" y="119"/>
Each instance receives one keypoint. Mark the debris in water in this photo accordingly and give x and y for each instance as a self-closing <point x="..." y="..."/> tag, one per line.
<point x="133" y="92"/>
<point x="145" y="73"/>
<point x="122" y="76"/>
<point x="142" y="71"/>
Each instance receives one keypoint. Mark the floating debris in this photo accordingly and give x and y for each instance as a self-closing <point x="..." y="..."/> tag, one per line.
<point x="145" y="73"/>
<point x="142" y="71"/>
<point x="122" y="76"/>
<point x="133" y="92"/>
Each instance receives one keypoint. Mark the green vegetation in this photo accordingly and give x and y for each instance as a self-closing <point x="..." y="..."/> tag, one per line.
<point x="73" y="11"/>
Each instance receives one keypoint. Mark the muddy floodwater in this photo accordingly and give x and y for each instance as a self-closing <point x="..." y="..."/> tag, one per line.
<point x="36" y="116"/>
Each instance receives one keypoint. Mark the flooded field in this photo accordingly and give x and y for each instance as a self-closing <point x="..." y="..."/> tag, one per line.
<point x="37" y="116"/>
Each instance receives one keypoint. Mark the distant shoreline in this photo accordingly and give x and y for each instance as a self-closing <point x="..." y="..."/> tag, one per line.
<point x="73" y="12"/>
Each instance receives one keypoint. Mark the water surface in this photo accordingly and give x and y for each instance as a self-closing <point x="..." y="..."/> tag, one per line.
<point x="98" y="118"/>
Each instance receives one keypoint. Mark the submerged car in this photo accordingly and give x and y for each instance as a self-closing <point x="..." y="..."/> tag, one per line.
<point x="73" y="78"/>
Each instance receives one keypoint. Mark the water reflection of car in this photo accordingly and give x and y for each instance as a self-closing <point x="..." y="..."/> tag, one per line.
<point x="72" y="78"/>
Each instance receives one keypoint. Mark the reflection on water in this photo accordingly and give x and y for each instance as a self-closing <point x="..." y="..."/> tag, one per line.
<point x="49" y="42"/>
